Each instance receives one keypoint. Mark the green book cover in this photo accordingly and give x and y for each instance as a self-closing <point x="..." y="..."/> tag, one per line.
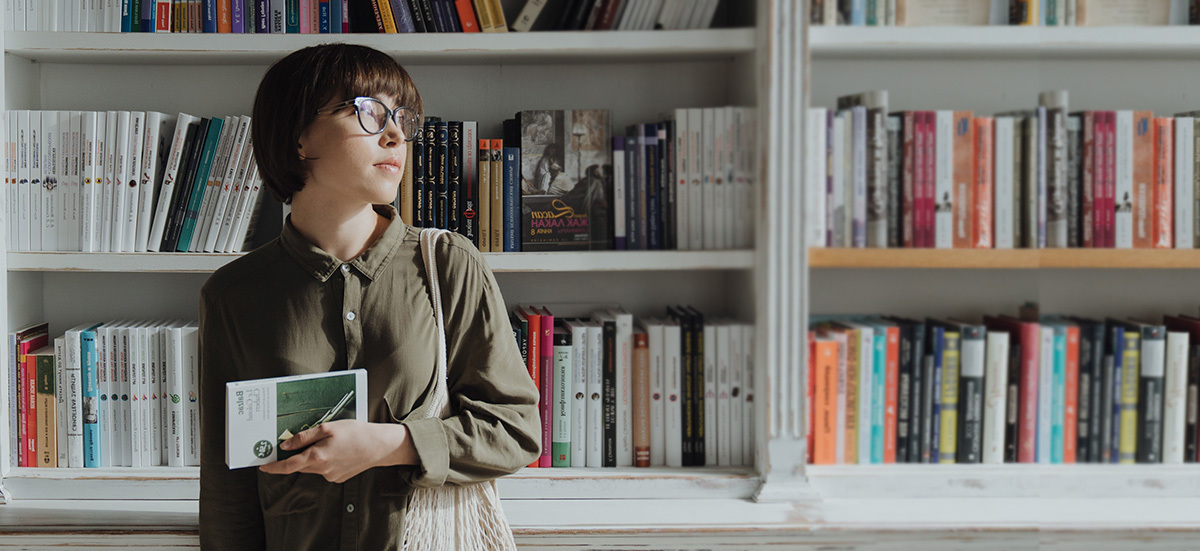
<point x="200" y="184"/>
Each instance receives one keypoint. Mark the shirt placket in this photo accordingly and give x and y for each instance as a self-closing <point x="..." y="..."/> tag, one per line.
<point x="352" y="506"/>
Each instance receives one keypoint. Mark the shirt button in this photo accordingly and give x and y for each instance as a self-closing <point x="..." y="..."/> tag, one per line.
<point x="350" y="508"/>
<point x="346" y="268"/>
<point x="350" y="316"/>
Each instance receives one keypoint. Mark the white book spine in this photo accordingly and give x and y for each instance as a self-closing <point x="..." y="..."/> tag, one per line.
<point x="151" y="352"/>
<point x="748" y="404"/>
<point x="995" y="397"/>
<point x="71" y="180"/>
<point x="656" y="332"/>
<point x="673" y="384"/>
<point x="147" y="387"/>
<point x="814" y="188"/>
<point x="242" y="184"/>
<point x="836" y="221"/>
<point x="155" y="143"/>
<point x="123" y="418"/>
<point x="1004" y="217"/>
<point x="747" y="129"/>
<point x="721" y="430"/>
<point x="104" y="385"/>
<point x="839" y="441"/>
<point x="162" y="209"/>
<point x="176" y="414"/>
<point x="695" y="176"/>
<point x="23" y="147"/>
<point x="1045" y="394"/>
<point x="1175" y="398"/>
<point x="75" y="400"/>
<point x="90" y="130"/>
<point x="50" y="185"/>
<point x="710" y="394"/>
<point x="709" y="177"/>
<point x="192" y="388"/>
<point x="106" y="347"/>
<point x="624" y="389"/>
<point x="529" y="14"/>
<point x="562" y="407"/>
<point x="35" y="180"/>
<point x="129" y="351"/>
<point x="859" y="159"/>
<point x="10" y="176"/>
<point x="579" y="393"/>
<point x="131" y="190"/>
<point x="212" y="186"/>
<point x="164" y="398"/>
<point x="733" y="205"/>
<point x="620" y="189"/>
<point x="682" y="210"/>
<point x="1185" y="234"/>
<point x="866" y="368"/>
<point x="595" y="390"/>
<point x="249" y="211"/>
<point x="1124" y="189"/>
<point x="944" y="196"/>
<point x="276" y="23"/>
<point x="229" y="186"/>
<point x="741" y="409"/>
<point x="107" y="152"/>
<point x="122" y="173"/>
<point x="60" y="375"/>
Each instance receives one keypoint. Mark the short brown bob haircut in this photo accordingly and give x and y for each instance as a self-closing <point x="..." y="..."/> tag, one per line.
<point x="306" y="80"/>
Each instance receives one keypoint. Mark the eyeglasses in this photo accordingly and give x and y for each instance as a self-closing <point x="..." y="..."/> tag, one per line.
<point x="373" y="116"/>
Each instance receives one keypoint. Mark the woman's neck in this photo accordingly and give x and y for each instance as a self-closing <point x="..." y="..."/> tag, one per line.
<point x="344" y="232"/>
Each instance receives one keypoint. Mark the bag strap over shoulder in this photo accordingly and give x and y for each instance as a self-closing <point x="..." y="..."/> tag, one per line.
<point x="439" y="403"/>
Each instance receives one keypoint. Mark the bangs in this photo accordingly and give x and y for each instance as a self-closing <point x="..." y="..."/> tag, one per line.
<point x="361" y="71"/>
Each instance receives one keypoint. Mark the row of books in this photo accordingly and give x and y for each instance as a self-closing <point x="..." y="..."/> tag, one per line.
<point x="118" y="394"/>
<point x="1048" y="13"/>
<point x="674" y="391"/>
<point x="1027" y="389"/>
<point x="352" y="16"/>
<point x="1038" y="178"/>
<point x="122" y="181"/>
<point x="559" y="180"/>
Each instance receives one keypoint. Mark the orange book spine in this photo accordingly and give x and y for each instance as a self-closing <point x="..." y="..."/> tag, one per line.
<point x="892" y="392"/>
<point x="964" y="176"/>
<point x="982" y="223"/>
<point x="1164" y="182"/>
<point x="224" y="16"/>
<point x="1071" y="409"/>
<point x="850" y="442"/>
<point x="1143" y="179"/>
<point x="810" y="385"/>
<point x="825" y="402"/>
<point x="466" y="16"/>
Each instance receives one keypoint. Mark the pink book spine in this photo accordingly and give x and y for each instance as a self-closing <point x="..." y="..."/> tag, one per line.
<point x="1030" y="358"/>
<point x="545" y="405"/>
<point x="305" y="19"/>
<point x="930" y="178"/>
<point x="1110" y="179"/>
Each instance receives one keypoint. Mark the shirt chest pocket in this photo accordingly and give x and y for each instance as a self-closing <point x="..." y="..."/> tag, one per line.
<point x="289" y="494"/>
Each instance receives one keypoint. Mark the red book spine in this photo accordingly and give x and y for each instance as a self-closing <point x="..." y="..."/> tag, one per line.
<point x="546" y="390"/>
<point x="533" y="363"/>
<point x="1106" y="156"/>
<point x="466" y="16"/>
<point x="1027" y="421"/>
<point x="1111" y="160"/>
<point x="1088" y="223"/>
<point x="963" y="179"/>
<point x="930" y="179"/>
<point x="1071" y="409"/>
<point x="608" y="15"/>
<point x="919" y="179"/>
<point x="909" y="211"/>
<point x="1164" y="182"/>
<point x="224" y="14"/>
<point x="984" y="148"/>
<point x="892" y="391"/>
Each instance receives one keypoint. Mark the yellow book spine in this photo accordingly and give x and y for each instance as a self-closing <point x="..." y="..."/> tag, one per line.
<point x="405" y="202"/>
<point x="385" y="13"/>
<point x="499" y="24"/>
<point x="1127" y="441"/>
<point x="484" y="14"/>
<point x="851" y="433"/>
<point x="948" y="439"/>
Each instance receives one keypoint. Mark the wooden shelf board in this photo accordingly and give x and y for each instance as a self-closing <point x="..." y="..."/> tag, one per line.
<point x="415" y="49"/>
<point x="1005" y="259"/>
<point x="1004" y="42"/>
<point x="586" y="261"/>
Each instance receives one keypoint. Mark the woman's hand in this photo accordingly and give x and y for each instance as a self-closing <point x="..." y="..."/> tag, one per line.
<point x="342" y="449"/>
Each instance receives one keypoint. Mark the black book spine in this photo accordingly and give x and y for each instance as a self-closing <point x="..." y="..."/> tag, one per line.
<point x="418" y="190"/>
<point x="895" y="133"/>
<point x="1012" y="395"/>
<point x="904" y="395"/>
<point x="520" y="330"/>
<point x="178" y="185"/>
<point x="970" y="396"/>
<point x="454" y="176"/>
<point x="1150" y="397"/>
<point x="698" y="448"/>
<point x="469" y="190"/>
<point x="431" y="171"/>
<point x="917" y="409"/>
<point x="610" y="394"/>
<point x="184" y="191"/>
<point x="1096" y="405"/>
<point x="654" y="221"/>
<point x="427" y="13"/>
<point x="417" y="19"/>
<point x="687" y="399"/>
<point x="442" y="198"/>
<point x="1083" y="405"/>
<point x="1193" y="392"/>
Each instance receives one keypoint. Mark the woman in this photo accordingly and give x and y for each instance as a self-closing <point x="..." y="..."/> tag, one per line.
<point x="344" y="287"/>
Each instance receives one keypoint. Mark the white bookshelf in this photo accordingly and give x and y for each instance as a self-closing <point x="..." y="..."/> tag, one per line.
<point x="1003" y="42"/>
<point x="639" y="76"/>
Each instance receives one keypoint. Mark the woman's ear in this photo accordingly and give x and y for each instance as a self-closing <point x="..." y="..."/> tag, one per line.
<point x="300" y="151"/>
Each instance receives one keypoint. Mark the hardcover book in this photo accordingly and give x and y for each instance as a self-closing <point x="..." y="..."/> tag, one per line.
<point x="262" y="413"/>
<point x="566" y="180"/>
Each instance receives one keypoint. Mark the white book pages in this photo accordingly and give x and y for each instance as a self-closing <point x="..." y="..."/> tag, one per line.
<point x="1175" y="398"/>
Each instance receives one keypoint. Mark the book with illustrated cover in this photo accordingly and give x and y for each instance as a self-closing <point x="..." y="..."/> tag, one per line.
<point x="262" y="413"/>
<point x="566" y="180"/>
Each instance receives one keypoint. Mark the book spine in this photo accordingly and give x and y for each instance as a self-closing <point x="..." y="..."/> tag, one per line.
<point x="1184" y="187"/>
<point x="620" y="188"/>
<point x="1050" y="398"/>
<point x="562" y="406"/>
<point x="910" y="181"/>
<point x="1164" y="182"/>
<point x="452" y="170"/>
<point x="891" y="395"/>
<point x="969" y="445"/>
<point x="47" y="408"/>
<point x="61" y="425"/>
<point x="512" y="199"/>
<point x="641" y="399"/>
<point x="1150" y="395"/>
<point x="1143" y="179"/>
<point x="893" y="173"/>
<point x="91" y="396"/>
<point x="498" y="194"/>
<point x="825" y="352"/>
<point x="1191" y="435"/>
<point x="1070" y="432"/>
<point x="1175" y="398"/>
<point x="417" y="159"/>
<point x="711" y="423"/>
<point x="995" y="397"/>
<point x="199" y="185"/>
<point x="1110" y="179"/>
<point x="1126" y="441"/>
<point x="904" y="395"/>
<point x="673" y="388"/>
<point x="578" y="393"/>
<point x="1087" y="222"/>
<point x="982" y="196"/>
<point x="546" y="383"/>
<point x="441" y="174"/>
<point x="610" y="394"/>
<point x="471" y="210"/>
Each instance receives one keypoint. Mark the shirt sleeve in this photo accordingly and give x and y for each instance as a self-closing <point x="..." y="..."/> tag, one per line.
<point x="494" y="428"/>
<point x="230" y="513"/>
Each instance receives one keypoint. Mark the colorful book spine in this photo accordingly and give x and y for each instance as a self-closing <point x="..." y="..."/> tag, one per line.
<point x="563" y="406"/>
<point x="546" y="387"/>
<point x="512" y="195"/>
<point x="91" y="397"/>
<point x="1128" y="417"/>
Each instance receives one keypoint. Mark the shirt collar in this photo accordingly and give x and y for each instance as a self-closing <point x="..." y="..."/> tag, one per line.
<point x="322" y="265"/>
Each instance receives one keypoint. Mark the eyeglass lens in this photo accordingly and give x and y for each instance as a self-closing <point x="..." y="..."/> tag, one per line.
<point x="373" y="114"/>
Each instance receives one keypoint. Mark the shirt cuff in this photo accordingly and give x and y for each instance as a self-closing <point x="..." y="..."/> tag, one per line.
<point x="433" y="452"/>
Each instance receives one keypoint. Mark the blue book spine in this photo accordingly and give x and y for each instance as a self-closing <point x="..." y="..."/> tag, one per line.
<point x="632" y="189"/>
<point x="238" y="17"/>
<point x="403" y="16"/>
<point x="261" y="16"/>
<point x="91" y="397"/>
<point x="126" y="20"/>
<point x="291" y="17"/>
<point x="335" y="16"/>
<point x="1118" y="361"/>
<point x="148" y="7"/>
<point x="878" y="391"/>
<point x="1058" y="394"/>
<point x="200" y="185"/>
<point x="323" y="27"/>
<point x="935" y="412"/>
<point x="512" y="199"/>
<point x="619" y="194"/>
<point x="653" y="197"/>
<point x="858" y="16"/>
<point x="209" y="15"/>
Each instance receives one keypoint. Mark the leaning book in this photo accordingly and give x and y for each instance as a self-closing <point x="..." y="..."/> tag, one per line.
<point x="262" y="413"/>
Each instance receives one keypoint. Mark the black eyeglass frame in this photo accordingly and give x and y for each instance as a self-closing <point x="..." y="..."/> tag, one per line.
<point x="391" y="114"/>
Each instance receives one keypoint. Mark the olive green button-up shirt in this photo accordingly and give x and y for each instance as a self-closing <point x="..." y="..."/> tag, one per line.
<point x="290" y="308"/>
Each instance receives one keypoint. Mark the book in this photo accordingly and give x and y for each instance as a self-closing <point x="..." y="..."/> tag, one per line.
<point x="563" y="409"/>
<point x="1100" y="13"/>
<point x="262" y="413"/>
<point x="911" y="13"/>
